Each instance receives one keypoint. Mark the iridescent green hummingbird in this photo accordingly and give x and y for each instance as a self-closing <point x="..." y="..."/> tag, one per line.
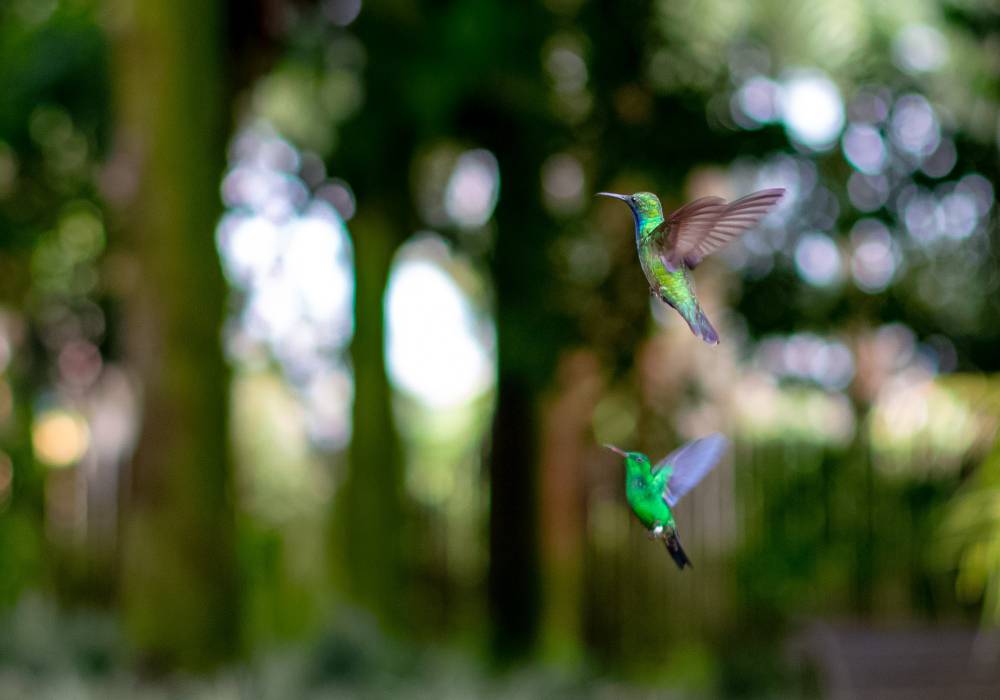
<point x="669" y="247"/>
<point x="652" y="491"/>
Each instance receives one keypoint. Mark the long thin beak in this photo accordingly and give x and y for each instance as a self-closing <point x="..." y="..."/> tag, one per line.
<point x="615" y="449"/>
<point x="622" y="197"/>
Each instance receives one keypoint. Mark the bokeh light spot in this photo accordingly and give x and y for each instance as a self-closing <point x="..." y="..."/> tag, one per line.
<point x="864" y="148"/>
<point x="760" y="99"/>
<point x="874" y="257"/>
<point x="914" y="126"/>
<point x="868" y="192"/>
<point x="472" y="190"/>
<point x="817" y="259"/>
<point x="562" y="183"/>
<point x="942" y="160"/>
<point x="919" y="48"/>
<point x="436" y="348"/>
<point x="342" y="12"/>
<point x="60" y="437"/>
<point x="981" y="190"/>
<point x="812" y="109"/>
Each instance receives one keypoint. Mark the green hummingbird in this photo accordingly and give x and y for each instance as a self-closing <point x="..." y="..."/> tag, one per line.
<point x="652" y="491"/>
<point x="669" y="248"/>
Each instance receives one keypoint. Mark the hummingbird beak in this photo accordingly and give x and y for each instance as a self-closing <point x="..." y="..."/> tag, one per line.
<point x="615" y="449"/>
<point x="622" y="197"/>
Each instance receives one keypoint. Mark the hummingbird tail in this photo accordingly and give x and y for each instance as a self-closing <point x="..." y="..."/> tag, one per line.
<point x="676" y="552"/>
<point x="702" y="327"/>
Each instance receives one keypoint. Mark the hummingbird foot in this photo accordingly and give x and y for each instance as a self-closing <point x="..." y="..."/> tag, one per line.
<point x="656" y="532"/>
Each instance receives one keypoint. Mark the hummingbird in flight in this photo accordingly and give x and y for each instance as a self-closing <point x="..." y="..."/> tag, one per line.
<point x="653" y="490"/>
<point x="670" y="247"/>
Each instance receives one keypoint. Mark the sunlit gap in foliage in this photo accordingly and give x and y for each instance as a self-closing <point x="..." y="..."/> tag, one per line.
<point x="440" y="352"/>
<point x="888" y="140"/>
<point x="441" y="347"/>
<point x="798" y="386"/>
<point x="440" y="359"/>
<point x="915" y="423"/>
<point x="286" y="252"/>
<point x="794" y="388"/>
<point x="912" y="224"/>
<point x="439" y="341"/>
<point x="806" y="100"/>
<point x="457" y="189"/>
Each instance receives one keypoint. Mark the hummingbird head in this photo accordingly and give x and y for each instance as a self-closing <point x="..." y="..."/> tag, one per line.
<point x="644" y="205"/>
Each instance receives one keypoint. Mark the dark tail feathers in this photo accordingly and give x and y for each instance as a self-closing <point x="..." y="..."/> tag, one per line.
<point x="702" y="327"/>
<point x="676" y="552"/>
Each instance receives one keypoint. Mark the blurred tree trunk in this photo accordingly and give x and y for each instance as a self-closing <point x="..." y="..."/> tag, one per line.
<point x="495" y="97"/>
<point x="506" y="110"/>
<point x="530" y="334"/>
<point x="566" y="447"/>
<point x="369" y="517"/>
<point x="178" y="577"/>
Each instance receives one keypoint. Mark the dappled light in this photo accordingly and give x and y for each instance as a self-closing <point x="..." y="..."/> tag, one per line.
<point x="767" y="412"/>
<point x="287" y="250"/>
<point x="438" y="350"/>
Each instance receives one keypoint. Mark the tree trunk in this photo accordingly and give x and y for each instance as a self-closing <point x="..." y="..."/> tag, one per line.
<point x="565" y="452"/>
<point x="529" y="336"/>
<point x="369" y="510"/>
<point x="513" y="573"/>
<point x="178" y="577"/>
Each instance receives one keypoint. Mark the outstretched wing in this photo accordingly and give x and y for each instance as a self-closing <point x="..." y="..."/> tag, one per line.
<point x="691" y="222"/>
<point x="702" y="227"/>
<point x="690" y="463"/>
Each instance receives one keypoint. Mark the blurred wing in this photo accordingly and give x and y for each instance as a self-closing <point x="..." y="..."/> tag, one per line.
<point x="702" y="227"/>
<point x="690" y="464"/>
<point x="685" y="227"/>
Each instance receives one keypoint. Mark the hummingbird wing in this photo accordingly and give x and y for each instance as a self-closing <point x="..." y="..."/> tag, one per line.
<point x="692" y="222"/>
<point x="702" y="227"/>
<point x="690" y="463"/>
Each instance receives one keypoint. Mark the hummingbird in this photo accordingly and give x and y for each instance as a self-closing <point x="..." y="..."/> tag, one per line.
<point x="669" y="248"/>
<point x="652" y="491"/>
